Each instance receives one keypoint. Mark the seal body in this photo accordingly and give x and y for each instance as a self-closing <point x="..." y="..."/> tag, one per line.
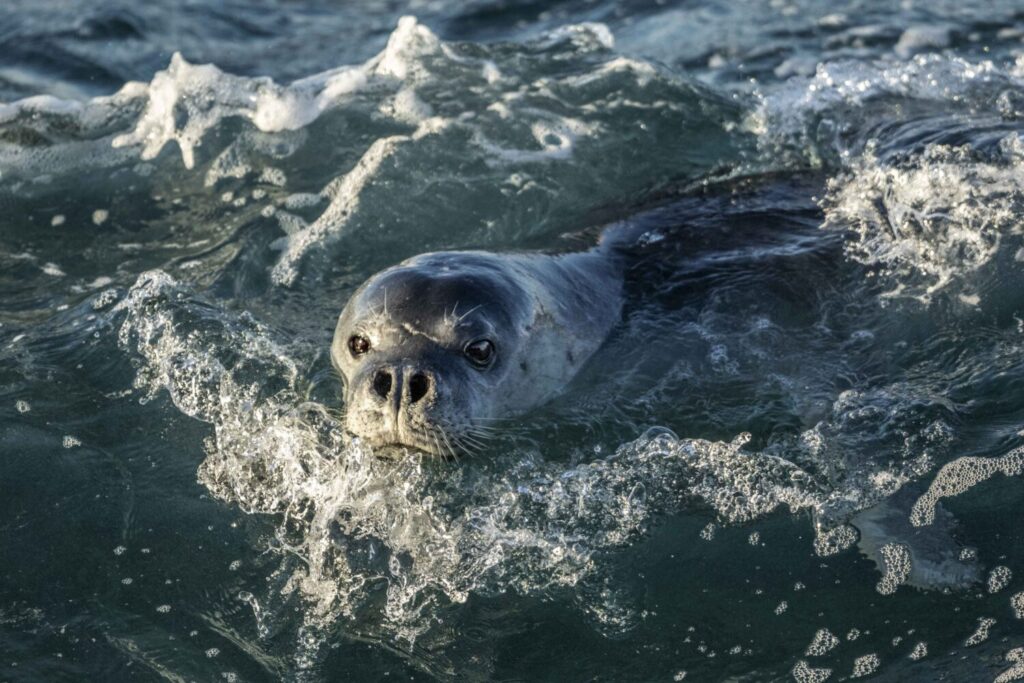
<point x="433" y="350"/>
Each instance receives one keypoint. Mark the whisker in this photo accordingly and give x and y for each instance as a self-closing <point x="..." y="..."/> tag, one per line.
<point x="465" y="448"/>
<point x="463" y="316"/>
<point x="464" y="439"/>
<point x="451" y="449"/>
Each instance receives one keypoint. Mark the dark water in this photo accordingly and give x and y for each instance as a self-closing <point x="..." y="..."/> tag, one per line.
<point x="822" y="340"/>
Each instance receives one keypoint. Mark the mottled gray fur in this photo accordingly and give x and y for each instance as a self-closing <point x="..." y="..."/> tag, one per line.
<point x="415" y="386"/>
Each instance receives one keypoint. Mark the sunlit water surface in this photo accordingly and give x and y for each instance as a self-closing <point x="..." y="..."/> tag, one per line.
<point x="821" y="341"/>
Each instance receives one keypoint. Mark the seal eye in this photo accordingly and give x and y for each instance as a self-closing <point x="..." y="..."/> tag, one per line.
<point x="480" y="352"/>
<point x="358" y="345"/>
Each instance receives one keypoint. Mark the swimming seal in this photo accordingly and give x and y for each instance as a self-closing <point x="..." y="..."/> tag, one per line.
<point x="432" y="350"/>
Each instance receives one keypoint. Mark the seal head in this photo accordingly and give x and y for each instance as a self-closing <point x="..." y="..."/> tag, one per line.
<point x="432" y="350"/>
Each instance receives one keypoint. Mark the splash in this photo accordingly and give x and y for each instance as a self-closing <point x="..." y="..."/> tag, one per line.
<point x="186" y="101"/>
<point x="516" y="137"/>
<point x="401" y="539"/>
<point x="929" y="220"/>
<point x="798" y="118"/>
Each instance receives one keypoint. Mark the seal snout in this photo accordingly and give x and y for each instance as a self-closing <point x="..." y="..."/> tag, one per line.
<point x="402" y="387"/>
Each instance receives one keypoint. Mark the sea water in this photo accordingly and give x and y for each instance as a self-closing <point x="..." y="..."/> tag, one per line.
<point x="823" y="321"/>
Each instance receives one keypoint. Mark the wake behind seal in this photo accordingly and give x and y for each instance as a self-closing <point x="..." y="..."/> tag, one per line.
<point x="434" y="350"/>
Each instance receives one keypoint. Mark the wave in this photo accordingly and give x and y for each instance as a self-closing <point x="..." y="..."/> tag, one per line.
<point x="451" y="142"/>
<point x="424" y="536"/>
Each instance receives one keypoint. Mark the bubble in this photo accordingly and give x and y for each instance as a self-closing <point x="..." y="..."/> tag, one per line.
<point x="804" y="673"/>
<point x="273" y="176"/>
<point x="896" y="560"/>
<point x="1016" y="671"/>
<point x="927" y="221"/>
<point x="834" y="541"/>
<point x="999" y="578"/>
<point x="865" y="666"/>
<point x="824" y="641"/>
<point x="980" y="634"/>
<point x="120" y="550"/>
<point x="22" y="406"/>
<point x="1017" y="603"/>
<point x="960" y="475"/>
<point x="754" y="538"/>
<point x="104" y="299"/>
<point x="920" y="651"/>
<point x="781" y="607"/>
<point x="163" y="609"/>
<point x="432" y="535"/>
<point x="70" y="442"/>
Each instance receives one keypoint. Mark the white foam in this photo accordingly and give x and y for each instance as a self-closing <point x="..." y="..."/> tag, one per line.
<point x="865" y="665"/>
<point x="1016" y="671"/>
<point x="920" y="38"/>
<point x="897" y="566"/>
<point x="185" y="101"/>
<point x="929" y="220"/>
<point x="824" y="641"/>
<point x="999" y="578"/>
<point x="960" y="475"/>
<point x="790" y="112"/>
<point x="345" y="197"/>
<point x="832" y="541"/>
<point x="515" y="523"/>
<point x="803" y="673"/>
<point x="981" y="633"/>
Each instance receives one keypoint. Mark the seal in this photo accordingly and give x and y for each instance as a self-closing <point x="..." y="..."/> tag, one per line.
<point x="433" y="350"/>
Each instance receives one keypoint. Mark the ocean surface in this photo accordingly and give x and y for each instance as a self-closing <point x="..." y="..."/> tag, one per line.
<point x="799" y="456"/>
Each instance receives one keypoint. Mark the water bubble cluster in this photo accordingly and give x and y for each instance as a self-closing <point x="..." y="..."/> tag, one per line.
<point x="896" y="558"/>
<point x="980" y="634"/>
<point x="960" y="475"/>
<point x="865" y="666"/>
<point x="999" y="578"/>
<point x="823" y="642"/>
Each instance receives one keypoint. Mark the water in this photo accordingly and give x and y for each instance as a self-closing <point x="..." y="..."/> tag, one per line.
<point x="822" y="334"/>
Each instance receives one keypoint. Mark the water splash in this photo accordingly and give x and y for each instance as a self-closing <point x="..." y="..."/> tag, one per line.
<point x="403" y="538"/>
<point x="927" y="221"/>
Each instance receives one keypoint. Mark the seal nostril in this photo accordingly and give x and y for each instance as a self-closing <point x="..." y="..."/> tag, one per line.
<point x="419" y="385"/>
<point x="382" y="383"/>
